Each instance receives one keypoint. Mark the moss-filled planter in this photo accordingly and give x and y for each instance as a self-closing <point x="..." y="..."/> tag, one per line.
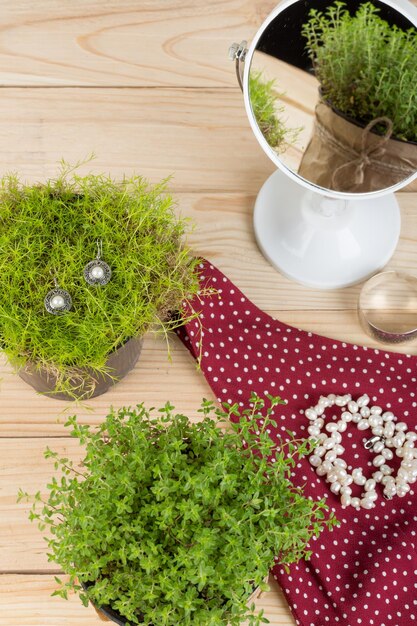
<point x="51" y="233"/>
<point x="85" y="382"/>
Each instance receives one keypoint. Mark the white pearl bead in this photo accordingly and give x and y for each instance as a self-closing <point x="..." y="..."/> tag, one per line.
<point x="331" y="398"/>
<point x="340" y="463"/>
<point x="378" y="460"/>
<point x="365" y="411"/>
<point x="389" y="429"/>
<point x="97" y="271"/>
<point x="348" y="480"/>
<point x="353" y="406"/>
<point x="355" y="502"/>
<point x="320" y="450"/>
<point x="387" y="454"/>
<point x="363" y="425"/>
<point x="313" y="431"/>
<point x="330" y="456"/>
<point x="378" y="431"/>
<point x="319" y="422"/>
<point x="340" y="401"/>
<point x="387" y="480"/>
<point x="338" y="449"/>
<point x="346" y="490"/>
<point x="370" y="484"/>
<point x="356" y="418"/>
<point x="321" y="471"/>
<point x="341" y="426"/>
<point x="411" y="436"/>
<point x="407" y="455"/>
<point x="402" y="490"/>
<point x="337" y="437"/>
<point x="376" y="410"/>
<point x="57" y="302"/>
<point x="311" y="414"/>
<point x="360" y="480"/>
<point x="335" y="487"/>
<point x="388" y="416"/>
<point x="363" y="400"/>
<point x="371" y="495"/>
<point x="331" y="427"/>
<point x="345" y="500"/>
<point x="401" y="426"/>
<point x="375" y="420"/>
<point x="324" y="402"/>
<point x="329" y="443"/>
<point x="346" y="416"/>
<point x="408" y="444"/>
<point x="367" y="504"/>
<point x="319" y="409"/>
<point x="341" y="473"/>
<point x="378" y="476"/>
<point x="332" y="476"/>
<point x="315" y="460"/>
<point x="327" y="466"/>
<point x="378" y="447"/>
<point x="398" y="440"/>
<point x="357" y="471"/>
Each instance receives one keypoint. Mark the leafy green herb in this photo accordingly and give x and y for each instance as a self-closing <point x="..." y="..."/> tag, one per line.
<point x="172" y="522"/>
<point x="51" y="229"/>
<point x="268" y="113"/>
<point x="366" y="67"/>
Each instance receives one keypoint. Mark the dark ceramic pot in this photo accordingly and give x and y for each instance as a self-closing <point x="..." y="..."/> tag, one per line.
<point x="119" y="363"/>
<point x="107" y="614"/>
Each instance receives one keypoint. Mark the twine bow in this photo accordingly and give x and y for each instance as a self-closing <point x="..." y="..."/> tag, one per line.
<point x="364" y="157"/>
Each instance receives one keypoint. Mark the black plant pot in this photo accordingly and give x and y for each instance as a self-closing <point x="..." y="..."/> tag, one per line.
<point x="119" y="363"/>
<point x="107" y="614"/>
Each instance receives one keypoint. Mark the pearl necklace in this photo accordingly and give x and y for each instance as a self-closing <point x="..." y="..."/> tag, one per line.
<point x="389" y="436"/>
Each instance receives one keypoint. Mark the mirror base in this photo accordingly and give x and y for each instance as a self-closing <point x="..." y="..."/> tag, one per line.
<point x="323" y="242"/>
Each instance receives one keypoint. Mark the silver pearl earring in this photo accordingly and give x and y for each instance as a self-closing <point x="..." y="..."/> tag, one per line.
<point x="97" y="272"/>
<point x="57" y="300"/>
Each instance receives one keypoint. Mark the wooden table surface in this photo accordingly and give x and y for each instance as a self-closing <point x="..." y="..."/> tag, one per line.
<point x="147" y="86"/>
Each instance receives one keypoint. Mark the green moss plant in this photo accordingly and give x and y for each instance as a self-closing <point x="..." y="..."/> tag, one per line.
<point x="171" y="522"/>
<point x="366" y="67"/>
<point x="51" y="230"/>
<point x="268" y="113"/>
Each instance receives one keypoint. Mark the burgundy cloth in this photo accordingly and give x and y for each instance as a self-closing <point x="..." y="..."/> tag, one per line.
<point x="365" y="571"/>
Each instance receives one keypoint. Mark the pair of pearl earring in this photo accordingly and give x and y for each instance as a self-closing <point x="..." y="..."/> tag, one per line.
<point x="96" y="272"/>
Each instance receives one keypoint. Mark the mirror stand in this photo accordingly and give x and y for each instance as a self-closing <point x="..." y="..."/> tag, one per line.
<point x="324" y="242"/>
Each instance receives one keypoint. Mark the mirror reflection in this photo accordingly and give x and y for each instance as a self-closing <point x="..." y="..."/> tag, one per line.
<point x="332" y="87"/>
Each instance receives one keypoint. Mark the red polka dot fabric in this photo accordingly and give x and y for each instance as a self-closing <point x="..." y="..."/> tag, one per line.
<point x="365" y="571"/>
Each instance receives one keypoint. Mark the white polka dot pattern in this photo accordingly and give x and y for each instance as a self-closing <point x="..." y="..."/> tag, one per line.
<point x="364" y="572"/>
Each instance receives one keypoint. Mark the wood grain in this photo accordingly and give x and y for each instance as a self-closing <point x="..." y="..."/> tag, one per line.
<point x="27" y="601"/>
<point x="147" y="86"/>
<point x="124" y="43"/>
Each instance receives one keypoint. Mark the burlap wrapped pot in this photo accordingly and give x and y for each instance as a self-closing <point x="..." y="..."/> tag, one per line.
<point x="344" y="156"/>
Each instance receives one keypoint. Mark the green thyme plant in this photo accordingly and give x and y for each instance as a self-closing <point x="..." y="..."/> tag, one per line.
<point x="51" y="230"/>
<point x="366" y="67"/>
<point x="268" y="113"/>
<point x="171" y="522"/>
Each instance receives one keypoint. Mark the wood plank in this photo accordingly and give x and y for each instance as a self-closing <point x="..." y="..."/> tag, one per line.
<point x="124" y="42"/>
<point x="198" y="136"/>
<point x="27" y="601"/>
<point x="153" y="381"/>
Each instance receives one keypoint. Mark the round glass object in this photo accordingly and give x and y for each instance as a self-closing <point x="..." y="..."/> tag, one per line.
<point x="388" y="307"/>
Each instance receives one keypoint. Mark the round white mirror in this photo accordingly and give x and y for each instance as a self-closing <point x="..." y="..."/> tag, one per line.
<point x="330" y="93"/>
